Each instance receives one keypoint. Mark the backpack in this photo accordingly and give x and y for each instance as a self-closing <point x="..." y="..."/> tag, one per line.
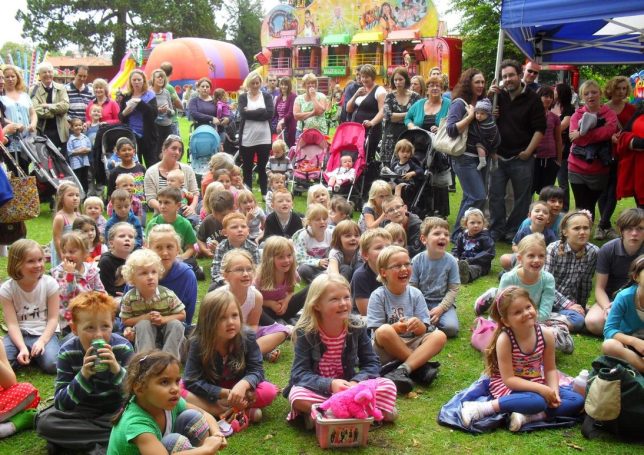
<point x="614" y="400"/>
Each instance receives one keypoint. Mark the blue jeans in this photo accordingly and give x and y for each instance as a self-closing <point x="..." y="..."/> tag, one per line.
<point x="575" y="320"/>
<point x="472" y="183"/>
<point x="520" y="173"/>
<point x="448" y="322"/>
<point x="533" y="403"/>
<point x="46" y="361"/>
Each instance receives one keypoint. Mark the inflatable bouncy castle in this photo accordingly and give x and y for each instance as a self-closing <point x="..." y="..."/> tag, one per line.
<point x="330" y="38"/>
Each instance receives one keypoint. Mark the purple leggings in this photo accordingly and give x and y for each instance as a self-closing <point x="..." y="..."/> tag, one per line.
<point x="533" y="403"/>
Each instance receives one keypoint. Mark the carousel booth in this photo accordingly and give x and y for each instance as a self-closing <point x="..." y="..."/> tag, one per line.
<point x="281" y="56"/>
<point x="307" y="55"/>
<point x="367" y="47"/>
<point x="399" y="50"/>
<point x="335" y="55"/>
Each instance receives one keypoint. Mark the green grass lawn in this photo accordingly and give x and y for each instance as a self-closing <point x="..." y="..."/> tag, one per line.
<point x="416" y="431"/>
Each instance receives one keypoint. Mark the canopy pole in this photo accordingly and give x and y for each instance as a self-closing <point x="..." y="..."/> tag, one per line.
<point x="497" y="68"/>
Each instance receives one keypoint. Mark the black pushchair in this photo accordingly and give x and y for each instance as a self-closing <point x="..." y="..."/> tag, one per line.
<point x="103" y="149"/>
<point x="50" y="165"/>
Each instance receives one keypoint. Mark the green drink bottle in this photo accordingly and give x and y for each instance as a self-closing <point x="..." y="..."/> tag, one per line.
<point x="98" y="365"/>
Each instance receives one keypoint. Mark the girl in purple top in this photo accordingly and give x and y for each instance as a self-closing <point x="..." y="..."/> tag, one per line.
<point x="283" y="120"/>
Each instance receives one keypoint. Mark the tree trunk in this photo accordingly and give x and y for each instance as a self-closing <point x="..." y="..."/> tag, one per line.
<point x="120" y="37"/>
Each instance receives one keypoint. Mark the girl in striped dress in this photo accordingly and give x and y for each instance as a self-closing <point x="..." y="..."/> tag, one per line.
<point x="330" y="346"/>
<point x="521" y="364"/>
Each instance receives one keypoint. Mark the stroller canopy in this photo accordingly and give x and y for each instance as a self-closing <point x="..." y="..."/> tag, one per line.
<point x="204" y="142"/>
<point x="349" y="137"/>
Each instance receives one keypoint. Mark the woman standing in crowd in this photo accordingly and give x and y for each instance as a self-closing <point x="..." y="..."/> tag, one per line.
<point x="427" y="114"/>
<point x="417" y="85"/>
<point x="367" y="106"/>
<point x="590" y="158"/>
<point x="202" y="107"/>
<point x="284" y="118"/>
<point x="564" y="109"/>
<point x="102" y="98"/>
<point x="255" y="111"/>
<point x="51" y="103"/>
<point x="139" y="111"/>
<point x="397" y="104"/>
<point x="466" y="93"/>
<point x="18" y="110"/>
<point x="309" y="107"/>
<point x="617" y="91"/>
<point x="164" y="107"/>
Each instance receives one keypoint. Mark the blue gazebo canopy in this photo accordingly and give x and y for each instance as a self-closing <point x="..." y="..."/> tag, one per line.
<point x="576" y="31"/>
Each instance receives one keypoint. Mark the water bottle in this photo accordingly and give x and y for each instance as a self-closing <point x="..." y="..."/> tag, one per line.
<point x="579" y="383"/>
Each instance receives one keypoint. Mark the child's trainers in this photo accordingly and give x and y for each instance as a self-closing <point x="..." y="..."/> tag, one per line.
<point x="517" y="420"/>
<point x="470" y="412"/>
<point x="403" y="382"/>
<point x="484" y="302"/>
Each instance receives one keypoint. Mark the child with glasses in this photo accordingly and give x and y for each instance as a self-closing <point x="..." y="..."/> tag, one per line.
<point x="396" y="211"/>
<point x="403" y="336"/>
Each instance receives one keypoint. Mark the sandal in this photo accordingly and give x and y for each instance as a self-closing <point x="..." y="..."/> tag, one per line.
<point x="271" y="357"/>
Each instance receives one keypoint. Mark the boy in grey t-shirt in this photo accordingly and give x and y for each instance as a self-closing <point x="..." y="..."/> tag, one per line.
<point x="403" y="336"/>
<point x="435" y="273"/>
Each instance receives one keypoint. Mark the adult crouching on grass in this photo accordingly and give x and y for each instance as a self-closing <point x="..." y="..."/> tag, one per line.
<point x="255" y="111"/>
<point x="156" y="176"/>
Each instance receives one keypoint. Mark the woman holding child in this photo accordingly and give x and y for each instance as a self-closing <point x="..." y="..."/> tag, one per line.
<point x="156" y="176"/>
<point x="102" y="98"/>
<point x="469" y="89"/>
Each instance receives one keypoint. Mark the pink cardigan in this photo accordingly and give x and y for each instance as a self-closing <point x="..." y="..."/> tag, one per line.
<point x="110" y="111"/>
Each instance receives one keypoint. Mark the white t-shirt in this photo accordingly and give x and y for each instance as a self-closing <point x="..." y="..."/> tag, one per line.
<point x="379" y="91"/>
<point x="256" y="132"/>
<point x="31" y="307"/>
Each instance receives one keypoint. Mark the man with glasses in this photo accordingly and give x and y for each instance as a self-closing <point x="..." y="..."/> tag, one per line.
<point x="530" y="74"/>
<point x="521" y="122"/>
<point x="396" y="212"/>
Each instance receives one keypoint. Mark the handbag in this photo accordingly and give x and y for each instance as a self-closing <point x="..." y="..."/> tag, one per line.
<point x="482" y="333"/>
<point x="25" y="204"/>
<point x="453" y="146"/>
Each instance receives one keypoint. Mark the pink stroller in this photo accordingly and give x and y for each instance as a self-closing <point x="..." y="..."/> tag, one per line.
<point x="349" y="140"/>
<point x="308" y="157"/>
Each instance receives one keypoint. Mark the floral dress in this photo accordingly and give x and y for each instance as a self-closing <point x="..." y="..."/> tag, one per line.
<point x="392" y="130"/>
<point x="317" y="121"/>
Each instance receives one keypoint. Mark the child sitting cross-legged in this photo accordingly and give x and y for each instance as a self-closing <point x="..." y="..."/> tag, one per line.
<point x="19" y="400"/>
<point x="121" y="243"/>
<point x="88" y="228"/>
<point x="520" y="361"/>
<point x="93" y="207"/>
<point x="473" y="246"/>
<point x="236" y="232"/>
<point x="155" y="419"/>
<point x="403" y="336"/>
<point x="275" y="182"/>
<point x="312" y="243"/>
<point x="332" y="352"/>
<point x="176" y="179"/>
<point x="149" y="308"/>
<point x="224" y="368"/>
<point x="89" y="378"/>
<point x="340" y="210"/>
<point x="219" y="203"/>
<point x="121" y="202"/>
<point x="344" y="256"/>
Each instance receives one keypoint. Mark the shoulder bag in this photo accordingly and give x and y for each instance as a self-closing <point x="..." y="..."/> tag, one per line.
<point x="25" y="204"/>
<point x="453" y="146"/>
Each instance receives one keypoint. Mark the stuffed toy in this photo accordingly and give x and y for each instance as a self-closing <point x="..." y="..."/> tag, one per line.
<point x="357" y="402"/>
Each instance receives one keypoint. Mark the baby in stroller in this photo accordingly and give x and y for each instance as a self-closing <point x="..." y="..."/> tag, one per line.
<point x="406" y="170"/>
<point x="344" y="174"/>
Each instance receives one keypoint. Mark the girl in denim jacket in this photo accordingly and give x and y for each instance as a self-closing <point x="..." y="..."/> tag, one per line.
<point x="332" y="352"/>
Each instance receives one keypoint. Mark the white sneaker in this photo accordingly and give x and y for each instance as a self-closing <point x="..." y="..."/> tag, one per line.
<point x="517" y="420"/>
<point x="470" y="411"/>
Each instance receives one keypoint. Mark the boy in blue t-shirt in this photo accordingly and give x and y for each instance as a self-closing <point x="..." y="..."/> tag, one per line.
<point x="435" y="273"/>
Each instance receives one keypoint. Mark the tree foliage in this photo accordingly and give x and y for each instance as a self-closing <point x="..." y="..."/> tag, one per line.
<point x="243" y="28"/>
<point x="114" y="25"/>
<point x="479" y="29"/>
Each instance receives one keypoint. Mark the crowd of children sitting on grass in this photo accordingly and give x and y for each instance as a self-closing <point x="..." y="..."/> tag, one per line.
<point x="376" y="298"/>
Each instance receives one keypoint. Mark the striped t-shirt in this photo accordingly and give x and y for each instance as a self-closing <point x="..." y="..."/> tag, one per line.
<point x="331" y="361"/>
